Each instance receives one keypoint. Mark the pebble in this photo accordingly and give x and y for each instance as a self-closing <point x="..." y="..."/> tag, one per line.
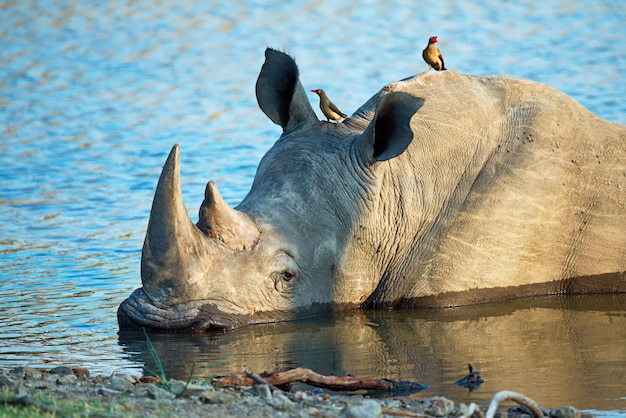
<point x="107" y="391"/>
<point x="81" y="373"/>
<point x="368" y="408"/>
<point x="62" y="371"/>
<point x="18" y="372"/>
<point x="565" y="412"/>
<point x="281" y="402"/>
<point x="6" y="381"/>
<point x="21" y="390"/>
<point x="149" y="379"/>
<point x="440" y="407"/>
<point x="157" y="393"/>
<point x="66" y="379"/>
<point x="177" y="387"/>
<point x="200" y="387"/>
<point x="262" y="390"/>
<point x="32" y="374"/>
<point x="122" y="383"/>
<point x="214" y="397"/>
<point x="186" y="389"/>
<point x="300" y="396"/>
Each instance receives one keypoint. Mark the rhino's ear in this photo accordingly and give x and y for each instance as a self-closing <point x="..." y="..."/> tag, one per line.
<point x="279" y="92"/>
<point x="389" y="133"/>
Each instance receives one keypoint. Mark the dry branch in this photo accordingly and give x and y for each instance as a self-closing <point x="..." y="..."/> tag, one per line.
<point x="308" y="376"/>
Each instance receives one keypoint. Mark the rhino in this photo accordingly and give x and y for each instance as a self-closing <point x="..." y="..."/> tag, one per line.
<point x="442" y="190"/>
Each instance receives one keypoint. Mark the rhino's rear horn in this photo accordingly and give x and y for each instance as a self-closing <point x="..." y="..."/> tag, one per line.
<point x="218" y="220"/>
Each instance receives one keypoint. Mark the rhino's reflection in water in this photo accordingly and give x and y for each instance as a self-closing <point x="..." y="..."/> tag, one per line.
<point x="563" y="350"/>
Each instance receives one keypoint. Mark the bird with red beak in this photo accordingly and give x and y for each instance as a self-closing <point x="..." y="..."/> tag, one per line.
<point x="432" y="55"/>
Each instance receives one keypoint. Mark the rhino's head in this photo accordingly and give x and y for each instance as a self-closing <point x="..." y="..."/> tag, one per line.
<point x="282" y="253"/>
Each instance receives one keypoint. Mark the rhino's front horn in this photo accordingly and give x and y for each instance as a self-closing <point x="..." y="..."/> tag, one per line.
<point x="175" y="251"/>
<point x="218" y="220"/>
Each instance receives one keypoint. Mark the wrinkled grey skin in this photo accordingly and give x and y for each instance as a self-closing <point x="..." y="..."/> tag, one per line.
<point x="442" y="190"/>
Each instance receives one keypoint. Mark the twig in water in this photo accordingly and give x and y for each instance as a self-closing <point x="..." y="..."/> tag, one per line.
<point x="308" y="376"/>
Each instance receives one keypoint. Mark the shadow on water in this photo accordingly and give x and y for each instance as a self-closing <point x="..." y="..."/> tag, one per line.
<point x="568" y="350"/>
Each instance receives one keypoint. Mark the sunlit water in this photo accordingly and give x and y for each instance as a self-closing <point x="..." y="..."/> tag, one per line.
<point x="557" y="350"/>
<point x="93" y="96"/>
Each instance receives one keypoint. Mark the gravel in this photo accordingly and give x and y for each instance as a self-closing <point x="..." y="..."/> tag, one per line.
<point x="64" y="391"/>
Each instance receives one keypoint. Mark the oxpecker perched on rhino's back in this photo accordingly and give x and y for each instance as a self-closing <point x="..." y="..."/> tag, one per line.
<point x="432" y="55"/>
<point x="328" y="108"/>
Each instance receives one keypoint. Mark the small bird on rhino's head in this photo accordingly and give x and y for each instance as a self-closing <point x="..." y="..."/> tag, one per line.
<point x="328" y="108"/>
<point x="432" y="55"/>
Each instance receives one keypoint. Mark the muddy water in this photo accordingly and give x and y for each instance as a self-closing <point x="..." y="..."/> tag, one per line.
<point x="557" y="350"/>
<point x="93" y="96"/>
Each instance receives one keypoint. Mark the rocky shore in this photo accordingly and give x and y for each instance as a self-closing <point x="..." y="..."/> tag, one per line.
<point x="73" y="392"/>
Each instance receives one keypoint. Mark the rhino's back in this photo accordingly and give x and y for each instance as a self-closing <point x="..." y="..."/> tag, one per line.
<point x="525" y="191"/>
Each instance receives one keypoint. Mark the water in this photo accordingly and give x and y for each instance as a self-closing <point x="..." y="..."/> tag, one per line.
<point x="557" y="350"/>
<point x="93" y="96"/>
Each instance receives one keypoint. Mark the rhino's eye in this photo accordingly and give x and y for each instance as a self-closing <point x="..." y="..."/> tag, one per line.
<point x="285" y="272"/>
<point x="283" y="280"/>
<point x="285" y="275"/>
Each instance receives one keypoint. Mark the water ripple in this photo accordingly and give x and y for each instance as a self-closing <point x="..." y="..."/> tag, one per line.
<point x="93" y="96"/>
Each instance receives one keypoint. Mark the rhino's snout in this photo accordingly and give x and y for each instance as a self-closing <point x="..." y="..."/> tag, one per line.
<point x="138" y="312"/>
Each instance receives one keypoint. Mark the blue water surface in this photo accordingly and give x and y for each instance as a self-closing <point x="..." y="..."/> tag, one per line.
<point x="94" y="94"/>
